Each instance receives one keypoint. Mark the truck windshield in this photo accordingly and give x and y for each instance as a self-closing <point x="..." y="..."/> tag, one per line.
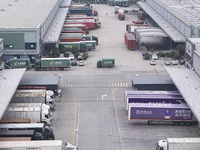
<point x="159" y="148"/>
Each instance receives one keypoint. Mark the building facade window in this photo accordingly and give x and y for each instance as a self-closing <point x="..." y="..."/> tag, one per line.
<point x="30" y="46"/>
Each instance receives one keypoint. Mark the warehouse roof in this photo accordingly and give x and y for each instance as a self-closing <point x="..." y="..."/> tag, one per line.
<point x="53" y="32"/>
<point x="188" y="84"/>
<point x="39" y="79"/>
<point x="186" y="10"/>
<point x="9" y="81"/>
<point x="171" y="31"/>
<point x="24" y="13"/>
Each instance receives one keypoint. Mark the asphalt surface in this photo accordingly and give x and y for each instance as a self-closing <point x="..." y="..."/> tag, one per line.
<point x="91" y="112"/>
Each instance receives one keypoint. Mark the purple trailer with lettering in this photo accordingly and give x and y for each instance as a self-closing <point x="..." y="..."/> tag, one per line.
<point x="152" y="98"/>
<point x="133" y="92"/>
<point x="160" y="112"/>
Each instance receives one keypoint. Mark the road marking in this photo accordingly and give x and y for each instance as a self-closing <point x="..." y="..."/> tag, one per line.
<point x="74" y="122"/>
<point x="118" y="127"/>
<point x="103" y="96"/>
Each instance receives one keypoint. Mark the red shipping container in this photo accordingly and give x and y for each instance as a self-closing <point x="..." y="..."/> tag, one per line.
<point x="130" y="40"/>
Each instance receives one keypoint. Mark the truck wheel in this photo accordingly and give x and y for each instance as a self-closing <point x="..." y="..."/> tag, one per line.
<point x="176" y="123"/>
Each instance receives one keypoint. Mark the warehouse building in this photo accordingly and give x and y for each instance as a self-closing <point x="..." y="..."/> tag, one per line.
<point x="27" y="27"/>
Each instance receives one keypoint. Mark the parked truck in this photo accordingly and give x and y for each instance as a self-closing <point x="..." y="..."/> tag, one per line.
<point x="106" y="62"/>
<point x="179" y="144"/>
<point x="69" y="46"/>
<point x="18" y="63"/>
<point x="41" y="131"/>
<point x="177" y="114"/>
<point x="80" y="25"/>
<point x="33" y="97"/>
<point x="90" y="22"/>
<point x="52" y="63"/>
<point x="86" y="10"/>
<point x="16" y="120"/>
<point x="130" y="41"/>
<point x="121" y="14"/>
<point x="37" y="145"/>
<point x="37" y="112"/>
<point x="30" y="145"/>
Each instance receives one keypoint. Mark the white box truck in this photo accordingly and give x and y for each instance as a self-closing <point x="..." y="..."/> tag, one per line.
<point x="179" y="144"/>
<point x="37" y="112"/>
<point x="32" y="145"/>
<point x="34" y="96"/>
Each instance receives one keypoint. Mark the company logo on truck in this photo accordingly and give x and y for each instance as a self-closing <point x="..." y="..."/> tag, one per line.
<point x="55" y="63"/>
<point x="19" y="63"/>
<point x="108" y="62"/>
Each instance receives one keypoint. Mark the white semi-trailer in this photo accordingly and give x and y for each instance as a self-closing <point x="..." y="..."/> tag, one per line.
<point x="30" y="145"/>
<point x="179" y="144"/>
<point x="37" y="112"/>
<point x="34" y="96"/>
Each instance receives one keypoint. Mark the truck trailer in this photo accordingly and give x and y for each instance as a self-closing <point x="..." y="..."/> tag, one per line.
<point x="80" y="25"/>
<point x="18" y="63"/>
<point x="179" y="144"/>
<point x="90" y="22"/>
<point x="37" y="112"/>
<point x="163" y="99"/>
<point x="177" y="114"/>
<point x="130" y="41"/>
<point x="30" y="145"/>
<point x="40" y="97"/>
<point x="106" y="62"/>
<point x="52" y="64"/>
<point x="41" y="131"/>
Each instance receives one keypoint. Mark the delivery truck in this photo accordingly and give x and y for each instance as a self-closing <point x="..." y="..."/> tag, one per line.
<point x="37" y="112"/>
<point x="121" y="14"/>
<point x="41" y="131"/>
<point x="71" y="39"/>
<point x="177" y="114"/>
<point x="179" y="144"/>
<point x="32" y="145"/>
<point x="37" y="145"/>
<point x="80" y="25"/>
<point x="87" y="11"/>
<point x="69" y="46"/>
<point x="106" y="62"/>
<point x="90" y="45"/>
<point x="18" y="63"/>
<point x="24" y="97"/>
<point x="130" y="41"/>
<point x="90" y="22"/>
<point x="52" y="64"/>
<point x="154" y="98"/>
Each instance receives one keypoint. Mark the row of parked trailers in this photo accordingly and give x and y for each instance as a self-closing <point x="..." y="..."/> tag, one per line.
<point x="158" y="106"/>
<point x="76" y="28"/>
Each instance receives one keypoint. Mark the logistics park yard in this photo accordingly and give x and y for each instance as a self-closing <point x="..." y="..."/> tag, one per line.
<point x="91" y="112"/>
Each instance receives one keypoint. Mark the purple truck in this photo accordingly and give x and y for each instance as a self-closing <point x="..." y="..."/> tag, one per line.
<point x="153" y="98"/>
<point x="175" y="113"/>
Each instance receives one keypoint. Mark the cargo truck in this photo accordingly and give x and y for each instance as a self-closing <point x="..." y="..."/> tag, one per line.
<point x="87" y="11"/>
<point x="18" y="63"/>
<point x="90" y="45"/>
<point x="131" y="28"/>
<point x="69" y="46"/>
<point x="130" y="40"/>
<point x="121" y="14"/>
<point x="179" y="144"/>
<point x="85" y="37"/>
<point x="96" y="20"/>
<point x="106" y="62"/>
<point x="37" y="112"/>
<point x="15" y="138"/>
<point x="177" y="114"/>
<point x="91" y="23"/>
<point x="25" y="97"/>
<point x="15" y="120"/>
<point x="164" y="99"/>
<point x="81" y="26"/>
<point x="71" y="39"/>
<point x="32" y="145"/>
<point x="52" y="64"/>
<point x="41" y="131"/>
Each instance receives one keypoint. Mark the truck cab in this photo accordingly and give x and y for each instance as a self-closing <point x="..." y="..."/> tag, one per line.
<point x="162" y="145"/>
